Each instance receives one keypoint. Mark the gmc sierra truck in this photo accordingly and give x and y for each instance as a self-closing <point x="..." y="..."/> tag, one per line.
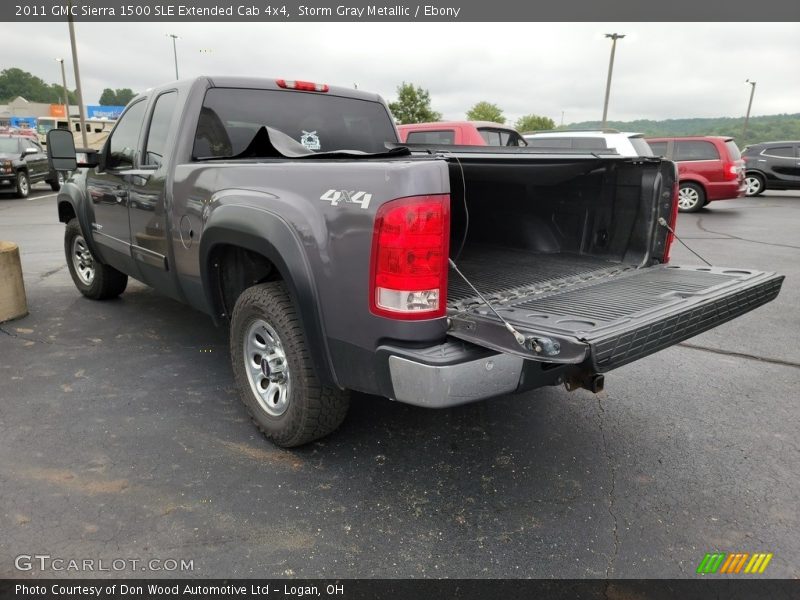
<point x="343" y="260"/>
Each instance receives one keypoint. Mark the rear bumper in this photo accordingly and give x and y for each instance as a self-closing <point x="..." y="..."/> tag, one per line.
<point x="435" y="386"/>
<point x="728" y="190"/>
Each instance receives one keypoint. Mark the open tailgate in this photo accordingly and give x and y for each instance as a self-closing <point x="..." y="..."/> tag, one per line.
<point x="613" y="321"/>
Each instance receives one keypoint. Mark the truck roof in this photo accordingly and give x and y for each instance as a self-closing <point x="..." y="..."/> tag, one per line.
<point x="261" y="83"/>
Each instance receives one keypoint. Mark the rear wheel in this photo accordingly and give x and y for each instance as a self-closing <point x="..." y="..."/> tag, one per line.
<point x="274" y="373"/>
<point x="92" y="278"/>
<point x="691" y="197"/>
<point x="23" y="185"/>
<point x="755" y="184"/>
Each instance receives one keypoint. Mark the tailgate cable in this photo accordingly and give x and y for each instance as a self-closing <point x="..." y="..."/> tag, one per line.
<point x="539" y="345"/>
<point x="663" y="222"/>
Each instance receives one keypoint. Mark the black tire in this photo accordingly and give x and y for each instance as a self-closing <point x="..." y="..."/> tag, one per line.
<point x="55" y="184"/>
<point x="756" y="184"/>
<point x="691" y="197"/>
<point x="105" y="282"/>
<point x="308" y="410"/>
<point x="23" y="184"/>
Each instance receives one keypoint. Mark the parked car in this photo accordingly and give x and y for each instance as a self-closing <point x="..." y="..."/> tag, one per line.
<point x="460" y="133"/>
<point x="625" y="143"/>
<point x="340" y="265"/>
<point x="772" y="166"/>
<point x="710" y="168"/>
<point x="23" y="162"/>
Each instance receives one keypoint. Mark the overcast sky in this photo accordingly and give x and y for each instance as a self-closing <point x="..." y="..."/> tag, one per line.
<point x="662" y="70"/>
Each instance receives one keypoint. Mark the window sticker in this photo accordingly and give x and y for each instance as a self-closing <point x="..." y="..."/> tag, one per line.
<point x="310" y="140"/>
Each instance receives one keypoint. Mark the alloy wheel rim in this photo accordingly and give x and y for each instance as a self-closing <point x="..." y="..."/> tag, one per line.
<point x="688" y="198"/>
<point x="82" y="260"/>
<point x="753" y="185"/>
<point x="23" y="185"/>
<point x="267" y="368"/>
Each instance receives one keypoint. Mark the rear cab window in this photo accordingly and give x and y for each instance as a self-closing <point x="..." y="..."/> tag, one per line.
<point x="443" y="136"/>
<point x="231" y="117"/>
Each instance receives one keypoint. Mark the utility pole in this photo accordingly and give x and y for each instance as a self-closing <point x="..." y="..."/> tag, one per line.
<point x="81" y="109"/>
<point x="66" y="93"/>
<point x="174" y="52"/>
<point x="749" y="106"/>
<point x="614" y="37"/>
<point x="562" y="119"/>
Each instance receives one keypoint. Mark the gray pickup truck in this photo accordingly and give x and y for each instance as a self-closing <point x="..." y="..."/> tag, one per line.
<point x="342" y="260"/>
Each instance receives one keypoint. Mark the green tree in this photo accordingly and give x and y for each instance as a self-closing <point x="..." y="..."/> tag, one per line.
<point x="119" y="97"/>
<point x="413" y="105"/>
<point x="534" y="123"/>
<point x="16" y="82"/>
<point x="486" y="111"/>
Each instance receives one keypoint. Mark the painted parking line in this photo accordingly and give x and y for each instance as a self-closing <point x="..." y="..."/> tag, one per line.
<point x="41" y="197"/>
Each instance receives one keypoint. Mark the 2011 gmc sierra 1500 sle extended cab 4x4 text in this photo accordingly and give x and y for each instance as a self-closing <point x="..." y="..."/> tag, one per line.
<point x="342" y="260"/>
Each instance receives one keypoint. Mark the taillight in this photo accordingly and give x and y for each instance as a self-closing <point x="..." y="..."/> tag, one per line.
<point x="731" y="171"/>
<point x="410" y="245"/>
<point x="673" y="218"/>
<point x="304" y="86"/>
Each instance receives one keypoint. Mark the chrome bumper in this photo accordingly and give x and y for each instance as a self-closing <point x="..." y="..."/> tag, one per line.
<point x="450" y="385"/>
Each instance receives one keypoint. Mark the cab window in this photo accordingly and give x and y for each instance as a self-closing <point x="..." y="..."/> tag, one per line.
<point x="122" y="145"/>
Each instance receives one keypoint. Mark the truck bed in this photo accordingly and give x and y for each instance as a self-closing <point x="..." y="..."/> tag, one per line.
<point x="501" y="274"/>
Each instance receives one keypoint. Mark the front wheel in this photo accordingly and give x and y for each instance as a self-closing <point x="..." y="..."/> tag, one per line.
<point x="274" y="373"/>
<point x="691" y="197"/>
<point x="755" y="184"/>
<point x="23" y="185"/>
<point x="92" y="278"/>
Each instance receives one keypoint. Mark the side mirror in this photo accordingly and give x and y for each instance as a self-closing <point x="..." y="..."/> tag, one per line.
<point x="61" y="150"/>
<point x="28" y="151"/>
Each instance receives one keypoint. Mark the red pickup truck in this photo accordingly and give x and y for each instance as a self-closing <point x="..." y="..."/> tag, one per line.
<point x="461" y="133"/>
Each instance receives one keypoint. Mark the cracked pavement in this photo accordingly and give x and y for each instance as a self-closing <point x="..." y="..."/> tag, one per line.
<point x="121" y="436"/>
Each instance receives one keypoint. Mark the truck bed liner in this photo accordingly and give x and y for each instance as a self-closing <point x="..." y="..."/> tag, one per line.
<point x="501" y="274"/>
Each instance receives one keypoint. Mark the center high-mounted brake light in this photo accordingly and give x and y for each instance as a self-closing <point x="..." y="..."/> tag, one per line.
<point x="303" y="86"/>
<point x="408" y="265"/>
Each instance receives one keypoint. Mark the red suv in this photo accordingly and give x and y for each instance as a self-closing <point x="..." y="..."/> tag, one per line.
<point x="709" y="168"/>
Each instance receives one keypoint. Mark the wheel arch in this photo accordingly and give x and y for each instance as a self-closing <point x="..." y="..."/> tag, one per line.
<point x="266" y="237"/>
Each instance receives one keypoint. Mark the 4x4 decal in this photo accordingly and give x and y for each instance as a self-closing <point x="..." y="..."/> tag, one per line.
<point x="348" y="197"/>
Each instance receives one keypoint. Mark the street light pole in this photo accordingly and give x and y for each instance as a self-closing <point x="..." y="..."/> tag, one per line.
<point x="174" y="52"/>
<point x="749" y="106"/>
<point x="614" y="37"/>
<point x="81" y="109"/>
<point x="66" y="93"/>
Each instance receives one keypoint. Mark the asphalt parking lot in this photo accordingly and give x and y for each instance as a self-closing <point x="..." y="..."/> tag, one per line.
<point x="121" y="436"/>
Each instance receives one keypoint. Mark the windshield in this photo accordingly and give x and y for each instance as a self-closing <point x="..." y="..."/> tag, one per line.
<point x="230" y="119"/>
<point x="641" y="146"/>
<point x="9" y="145"/>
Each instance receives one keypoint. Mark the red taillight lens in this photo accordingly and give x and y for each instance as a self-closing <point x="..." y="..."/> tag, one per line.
<point x="410" y="247"/>
<point x="673" y="218"/>
<point x="303" y="86"/>
<point x="731" y="171"/>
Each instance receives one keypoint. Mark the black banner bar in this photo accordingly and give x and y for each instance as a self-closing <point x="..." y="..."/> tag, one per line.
<point x="741" y="588"/>
<point x="276" y="11"/>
